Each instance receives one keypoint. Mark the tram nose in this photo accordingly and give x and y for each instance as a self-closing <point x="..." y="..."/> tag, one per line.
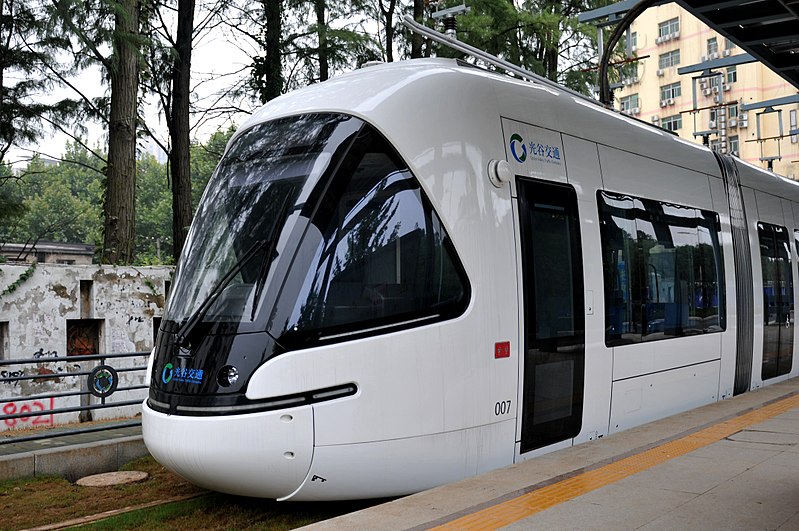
<point x="264" y="455"/>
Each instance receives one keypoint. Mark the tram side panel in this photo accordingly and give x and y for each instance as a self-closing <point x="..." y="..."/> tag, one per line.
<point x="656" y="374"/>
<point x="582" y="162"/>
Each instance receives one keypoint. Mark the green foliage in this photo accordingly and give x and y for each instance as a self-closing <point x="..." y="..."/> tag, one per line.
<point x="542" y="36"/>
<point x="63" y="202"/>
<point x="204" y="158"/>
<point x="21" y="280"/>
<point x="60" y="202"/>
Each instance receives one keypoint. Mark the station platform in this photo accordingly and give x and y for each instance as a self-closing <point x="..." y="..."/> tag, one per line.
<point x="730" y="465"/>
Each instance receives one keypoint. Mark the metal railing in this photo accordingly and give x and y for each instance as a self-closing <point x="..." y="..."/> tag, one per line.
<point x="101" y="382"/>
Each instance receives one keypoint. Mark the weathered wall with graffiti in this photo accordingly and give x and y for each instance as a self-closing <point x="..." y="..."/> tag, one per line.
<point x="50" y="313"/>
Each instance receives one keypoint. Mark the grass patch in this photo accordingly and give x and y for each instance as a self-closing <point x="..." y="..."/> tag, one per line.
<point x="221" y="511"/>
<point x="40" y="501"/>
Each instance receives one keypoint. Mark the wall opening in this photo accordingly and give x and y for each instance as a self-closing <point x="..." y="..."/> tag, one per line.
<point x="84" y="337"/>
<point x="5" y="342"/>
<point x="86" y="299"/>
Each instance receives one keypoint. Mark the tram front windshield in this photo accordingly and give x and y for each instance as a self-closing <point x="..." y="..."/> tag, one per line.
<point x="314" y="229"/>
<point x="232" y="242"/>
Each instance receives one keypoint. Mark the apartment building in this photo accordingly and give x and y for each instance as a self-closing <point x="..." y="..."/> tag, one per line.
<point x="709" y="109"/>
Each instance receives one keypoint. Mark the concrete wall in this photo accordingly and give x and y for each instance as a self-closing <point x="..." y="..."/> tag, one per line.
<point x="59" y="307"/>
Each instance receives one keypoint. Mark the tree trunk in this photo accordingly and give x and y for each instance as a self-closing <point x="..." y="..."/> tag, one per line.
<point x="180" y="155"/>
<point x="416" y="40"/>
<point x="119" y="210"/>
<point x="321" y="31"/>
<point x="268" y="71"/>
<point x="388" y="15"/>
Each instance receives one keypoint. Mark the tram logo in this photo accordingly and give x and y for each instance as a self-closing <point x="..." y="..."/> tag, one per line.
<point x="166" y="374"/>
<point x="181" y="374"/>
<point x="539" y="151"/>
<point x="515" y="141"/>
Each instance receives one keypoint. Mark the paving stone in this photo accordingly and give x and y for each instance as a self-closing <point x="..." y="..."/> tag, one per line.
<point x="109" y="479"/>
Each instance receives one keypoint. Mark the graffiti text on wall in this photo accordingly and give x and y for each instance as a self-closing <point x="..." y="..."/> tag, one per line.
<point x="39" y="413"/>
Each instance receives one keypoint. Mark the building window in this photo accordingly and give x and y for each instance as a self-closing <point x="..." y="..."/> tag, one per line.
<point x="672" y="90"/>
<point x="712" y="46"/>
<point x="732" y="74"/>
<point x="713" y="115"/>
<point x="735" y="145"/>
<point x="629" y="72"/>
<point x="634" y="41"/>
<point x="794" y="137"/>
<point x="714" y="81"/>
<point x="671" y="123"/>
<point x="628" y="103"/>
<point x="732" y="111"/>
<point x="728" y="44"/>
<point x="668" y="59"/>
<point x="669" y="27"/>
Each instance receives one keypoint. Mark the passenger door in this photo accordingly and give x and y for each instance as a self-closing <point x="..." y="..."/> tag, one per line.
<point x="554" y="321"/>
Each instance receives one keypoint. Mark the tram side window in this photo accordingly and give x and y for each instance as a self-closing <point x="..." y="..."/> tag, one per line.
<point x="775" y="263"/>
<point x="376" y="255"/>
<point x="662" y="270"/>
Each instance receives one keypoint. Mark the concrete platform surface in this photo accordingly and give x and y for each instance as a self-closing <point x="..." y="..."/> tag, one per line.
<point x="729" y="465"/>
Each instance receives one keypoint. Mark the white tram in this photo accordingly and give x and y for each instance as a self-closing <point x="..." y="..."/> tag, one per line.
<point x="422" y="271"/>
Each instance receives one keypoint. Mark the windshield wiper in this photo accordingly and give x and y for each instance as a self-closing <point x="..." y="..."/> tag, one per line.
<point x="182" y="336"/>
<point x="199" y="313"/>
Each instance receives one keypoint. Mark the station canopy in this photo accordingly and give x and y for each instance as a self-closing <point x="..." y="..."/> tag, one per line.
<point x="767" y="29"/>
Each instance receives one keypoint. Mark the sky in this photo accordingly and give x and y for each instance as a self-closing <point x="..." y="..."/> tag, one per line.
<point x="214" y="57"/>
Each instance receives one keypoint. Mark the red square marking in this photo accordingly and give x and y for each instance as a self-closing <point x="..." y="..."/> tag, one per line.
<point x="502" y="350"/>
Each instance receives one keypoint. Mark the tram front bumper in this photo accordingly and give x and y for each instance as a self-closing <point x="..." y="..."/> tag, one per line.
<point x="265" y="455"/>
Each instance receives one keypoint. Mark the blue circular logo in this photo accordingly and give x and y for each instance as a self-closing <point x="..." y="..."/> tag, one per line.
<point x="515" y="140"/>
<point x="166" y="374"/>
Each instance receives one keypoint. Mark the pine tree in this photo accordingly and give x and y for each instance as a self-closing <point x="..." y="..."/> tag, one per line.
<point x="92" y="24"/>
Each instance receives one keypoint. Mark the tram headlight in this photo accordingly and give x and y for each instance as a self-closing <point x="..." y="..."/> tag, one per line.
<point x="228" y="375"/>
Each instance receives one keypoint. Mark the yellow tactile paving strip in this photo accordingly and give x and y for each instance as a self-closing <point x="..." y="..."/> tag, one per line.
<point x="528" y="504"/>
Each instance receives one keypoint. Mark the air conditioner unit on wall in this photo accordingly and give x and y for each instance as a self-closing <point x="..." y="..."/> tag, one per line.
<point x="660" y="72"/>
<point x="670" y="101"/>
<point x="714" y="55"/>
<point x="711" y="124"/>
<point x="743" y="124"/>
<point x="636" y="110"/>
<point x="726" y="87"/>
<point x="732" y="122"/>
<point x="726" y="53"/>
<point x="675" y="35"/>
<point x="663" y="103"/>
<point x="658" y="40"/>
<point x="707" y="92"/>
<point x="716" y="99"/>
<point x="655" y="118"/>
<point x="703" y="59"/>
<point x="715" y="90"/>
